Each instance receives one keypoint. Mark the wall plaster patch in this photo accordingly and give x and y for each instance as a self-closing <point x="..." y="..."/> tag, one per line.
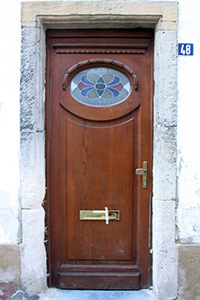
<point x="38" y="16"/>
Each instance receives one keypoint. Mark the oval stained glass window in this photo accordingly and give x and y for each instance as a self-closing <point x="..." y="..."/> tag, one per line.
<point x="100" y="86"/>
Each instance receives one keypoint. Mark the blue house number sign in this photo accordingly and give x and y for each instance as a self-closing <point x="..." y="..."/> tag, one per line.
<point x="185" y="49"/>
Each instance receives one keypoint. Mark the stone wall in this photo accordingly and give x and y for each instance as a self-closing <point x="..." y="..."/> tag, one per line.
<point x="10" y="214"/>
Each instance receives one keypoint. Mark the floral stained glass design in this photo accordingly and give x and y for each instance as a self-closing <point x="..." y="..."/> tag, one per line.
<point x="100" y="86"/>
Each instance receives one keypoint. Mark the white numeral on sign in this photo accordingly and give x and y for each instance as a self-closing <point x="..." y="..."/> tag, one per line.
<point x="183" y="49"/>
<point x="188" y="49"/>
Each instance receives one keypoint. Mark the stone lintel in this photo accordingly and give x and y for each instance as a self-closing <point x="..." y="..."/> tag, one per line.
<point x="70" y="13"/>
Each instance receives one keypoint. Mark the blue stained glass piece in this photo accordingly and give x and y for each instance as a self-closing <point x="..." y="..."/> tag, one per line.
<point x="100" y="86"/>
<point x="85" y="80"/>
<point x="115" y="81"/>
<point x="114" y="91"/>
<point x="85" y="91"/>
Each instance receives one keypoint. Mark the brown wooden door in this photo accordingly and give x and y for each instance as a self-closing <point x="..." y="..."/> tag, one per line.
<point x="93" y="149"/>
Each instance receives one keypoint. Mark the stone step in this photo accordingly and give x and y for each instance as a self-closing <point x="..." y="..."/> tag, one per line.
<point x="52" y="294"/>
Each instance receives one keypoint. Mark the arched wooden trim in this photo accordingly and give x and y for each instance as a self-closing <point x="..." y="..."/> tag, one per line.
<point x="65" y="82"/>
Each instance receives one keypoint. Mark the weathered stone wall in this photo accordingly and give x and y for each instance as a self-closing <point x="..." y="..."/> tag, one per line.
<point x="32" y="99"/>
<point x="188" y="192"/>
<point x="10" y="215"/>
<point x="164" y="165"/>
<point x="9" y="270"/>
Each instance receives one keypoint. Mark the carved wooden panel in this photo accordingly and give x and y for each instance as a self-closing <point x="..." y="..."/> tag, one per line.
<point x="99" y="48"/>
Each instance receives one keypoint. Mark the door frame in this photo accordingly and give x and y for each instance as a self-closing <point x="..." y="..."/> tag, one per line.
<point x="38" y="16"/>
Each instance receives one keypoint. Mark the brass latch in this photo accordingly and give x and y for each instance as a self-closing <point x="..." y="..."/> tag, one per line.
<point x="100" y="215"/>
<point x="143" y="172"/>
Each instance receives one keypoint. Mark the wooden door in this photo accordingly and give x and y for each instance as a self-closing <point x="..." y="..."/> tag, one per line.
<point x="99" y="131"/>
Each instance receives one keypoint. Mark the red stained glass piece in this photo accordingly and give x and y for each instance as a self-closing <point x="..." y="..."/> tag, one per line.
<point x="118" y="87"/>
<point x="82" y="86"/>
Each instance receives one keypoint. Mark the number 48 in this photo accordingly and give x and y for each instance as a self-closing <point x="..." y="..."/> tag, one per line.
<point x="185" y="49"/>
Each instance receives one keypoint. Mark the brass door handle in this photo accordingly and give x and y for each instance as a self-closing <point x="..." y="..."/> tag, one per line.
<point x="143" y="172"/>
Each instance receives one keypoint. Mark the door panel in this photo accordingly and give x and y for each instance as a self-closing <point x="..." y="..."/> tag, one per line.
<point x="97" y="160"/>
<point x="92" y="154"/>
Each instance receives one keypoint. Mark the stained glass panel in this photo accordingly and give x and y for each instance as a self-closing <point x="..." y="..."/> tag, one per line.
<point x="100" y="86"/>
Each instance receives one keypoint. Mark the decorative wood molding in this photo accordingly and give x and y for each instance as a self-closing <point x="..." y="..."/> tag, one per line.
<point x="99" y="61"/>
<point x="99" y="48"/>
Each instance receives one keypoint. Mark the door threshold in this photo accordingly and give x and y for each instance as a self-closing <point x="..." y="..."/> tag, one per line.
<point x="52" y="294"/>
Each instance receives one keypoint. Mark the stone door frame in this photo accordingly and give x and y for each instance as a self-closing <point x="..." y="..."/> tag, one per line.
<point x="36" y="18"/>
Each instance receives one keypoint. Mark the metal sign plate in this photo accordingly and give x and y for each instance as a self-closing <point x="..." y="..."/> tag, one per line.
<point x="185" y="49"/>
